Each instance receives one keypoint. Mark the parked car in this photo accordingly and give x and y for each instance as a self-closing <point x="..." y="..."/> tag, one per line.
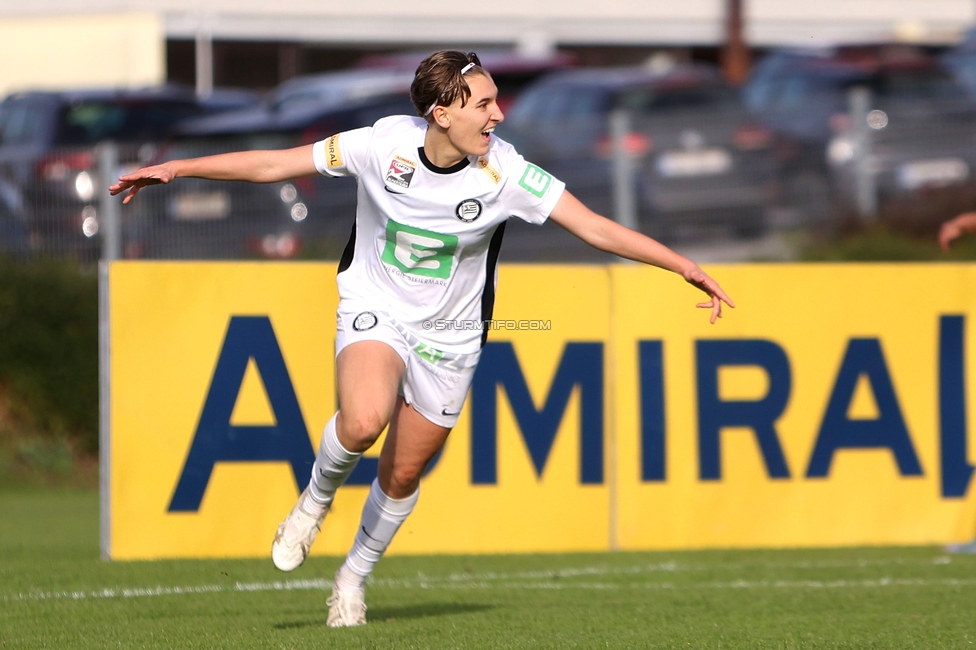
<point x="920" y="137"/>
<point x="701" y="160"/>
<point x="306" y="95"/>
<point x="47" y="152"/>
<point x="961" y="61"/>
<point x="919" y="123"/>
<point x="196" y="218"/>
<point x="804" y="98"/>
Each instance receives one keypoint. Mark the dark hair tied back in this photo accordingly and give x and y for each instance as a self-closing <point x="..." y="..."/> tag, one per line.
<point x="439" y="80"/>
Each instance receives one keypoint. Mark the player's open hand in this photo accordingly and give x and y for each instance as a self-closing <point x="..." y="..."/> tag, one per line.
<point x="703" y="281"/>
<point x="132" y="183"/>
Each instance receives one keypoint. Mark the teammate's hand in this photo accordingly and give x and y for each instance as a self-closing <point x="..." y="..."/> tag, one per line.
<point x="949" y="231"/>
<point x="155" y="175"/>
<point x="703" y="281"/>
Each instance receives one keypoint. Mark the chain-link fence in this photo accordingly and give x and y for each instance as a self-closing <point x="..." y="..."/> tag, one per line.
<point x="684" y="165"/>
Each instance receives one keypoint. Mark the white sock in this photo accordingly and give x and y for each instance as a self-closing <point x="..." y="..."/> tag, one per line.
<point x="333" y="465"/>
<point x="381" y="520"/>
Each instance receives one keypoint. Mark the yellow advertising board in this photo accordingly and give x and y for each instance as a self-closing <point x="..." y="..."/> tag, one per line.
<point x="828" y="408"/>
<point x="216" y="366"/>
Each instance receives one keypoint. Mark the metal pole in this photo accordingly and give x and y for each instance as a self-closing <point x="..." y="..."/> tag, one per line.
<point x="104" y="414"/>
<point x="204" y="58"/>
<point x="624" y="201"/>
<point x="735" y="51"/>
<point x="111" y="231"/>
<point x="866" y="192"/>
<point x="110" y="224"/>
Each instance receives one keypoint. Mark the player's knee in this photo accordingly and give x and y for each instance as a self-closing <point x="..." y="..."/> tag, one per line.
<point x="403" y="482"/>
<point x="360" y="430"/>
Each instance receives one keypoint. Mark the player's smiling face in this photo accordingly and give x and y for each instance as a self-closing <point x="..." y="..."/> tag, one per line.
<point x="471" y="125"/>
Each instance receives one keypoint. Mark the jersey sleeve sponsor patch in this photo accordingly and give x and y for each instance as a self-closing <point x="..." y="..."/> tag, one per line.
<point x="342" y="154"/>
<point x="535" y="180"/>
<point x="531" y="192"/>
<point x="492" y="173"/>
<point x="333" y="156"/>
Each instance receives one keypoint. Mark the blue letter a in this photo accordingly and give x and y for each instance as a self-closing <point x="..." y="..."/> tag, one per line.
<point x="863" y="357"/>
<point x="216" y="440"/>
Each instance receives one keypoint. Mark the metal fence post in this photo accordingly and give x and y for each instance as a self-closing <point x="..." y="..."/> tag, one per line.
<point x="104" y="414"/>
<point x="866" y="191"/>
<point x="110" y="222"/>
<point x="624" y="201"/>
<point x="110" y="228"/>
<point x="203" y="49"/>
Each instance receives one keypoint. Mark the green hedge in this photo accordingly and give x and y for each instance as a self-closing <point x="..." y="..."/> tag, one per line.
<point x="49" y="347"/>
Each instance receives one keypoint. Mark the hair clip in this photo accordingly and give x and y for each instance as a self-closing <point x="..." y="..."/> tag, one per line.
<point x="464" y="70"/>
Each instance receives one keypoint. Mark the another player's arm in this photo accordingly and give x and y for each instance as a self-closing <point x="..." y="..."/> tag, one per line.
<point x="610" y="236"/>
<point x="963" y="224"/>
<point x="253" y="166"/>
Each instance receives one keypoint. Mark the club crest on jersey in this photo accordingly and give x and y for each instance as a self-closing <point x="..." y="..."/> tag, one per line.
<point x="401" y="172"/>
<point x="365" y="321"/>
<point x="468" y="210"/>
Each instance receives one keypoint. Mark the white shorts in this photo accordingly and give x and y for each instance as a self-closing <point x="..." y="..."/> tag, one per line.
<point x="434" y="382"/>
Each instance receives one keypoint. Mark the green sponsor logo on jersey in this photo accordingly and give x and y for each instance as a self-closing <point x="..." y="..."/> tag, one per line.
<point x="427" y="353"/>
<point x="419" y="252"/>
<point x="535" y="180"/>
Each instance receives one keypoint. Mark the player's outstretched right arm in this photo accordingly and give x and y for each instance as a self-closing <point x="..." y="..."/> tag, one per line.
<point x="610" y="236"/>
<point x="254" y="166"/>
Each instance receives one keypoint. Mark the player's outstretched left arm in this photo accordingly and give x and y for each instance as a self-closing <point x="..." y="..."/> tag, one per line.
<point x="265" y="166"/>
<point x="610" y="236"/>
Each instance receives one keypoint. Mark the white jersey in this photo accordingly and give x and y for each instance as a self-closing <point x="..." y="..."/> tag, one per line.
<point x="426" y="238"/>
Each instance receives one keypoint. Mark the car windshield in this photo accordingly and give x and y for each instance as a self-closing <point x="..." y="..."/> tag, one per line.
<point x="914" y="85"/>
<point x="193" y="146"/>
<point x="794" y="91"/>
<point x="87" y="123"/>
<point x="694" y="98"/>
<point x="20" y="123"/>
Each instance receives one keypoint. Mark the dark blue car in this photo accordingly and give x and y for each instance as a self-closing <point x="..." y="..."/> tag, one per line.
<point x="48" y="155"/>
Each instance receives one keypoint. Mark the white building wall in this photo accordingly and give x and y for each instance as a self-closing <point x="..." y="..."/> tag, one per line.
<point x="64" y="43"/>
<point x="648" y="22"/>
<point x="47" y="52"/>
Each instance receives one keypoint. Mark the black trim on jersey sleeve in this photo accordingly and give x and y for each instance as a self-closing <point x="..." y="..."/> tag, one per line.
<point x="348" y="251"/>
<point x="441" y="170"/>
<point x="488" y="295"/>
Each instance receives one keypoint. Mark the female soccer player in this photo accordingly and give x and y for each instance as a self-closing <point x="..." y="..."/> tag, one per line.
<point x="434" y="194"/>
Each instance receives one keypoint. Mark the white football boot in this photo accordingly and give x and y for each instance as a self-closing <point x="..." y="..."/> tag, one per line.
<point x="297" y="532"/>
<point x="347" y="607"/>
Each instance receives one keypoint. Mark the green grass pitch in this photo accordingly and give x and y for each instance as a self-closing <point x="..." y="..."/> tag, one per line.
<point x="56" y="593"/>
